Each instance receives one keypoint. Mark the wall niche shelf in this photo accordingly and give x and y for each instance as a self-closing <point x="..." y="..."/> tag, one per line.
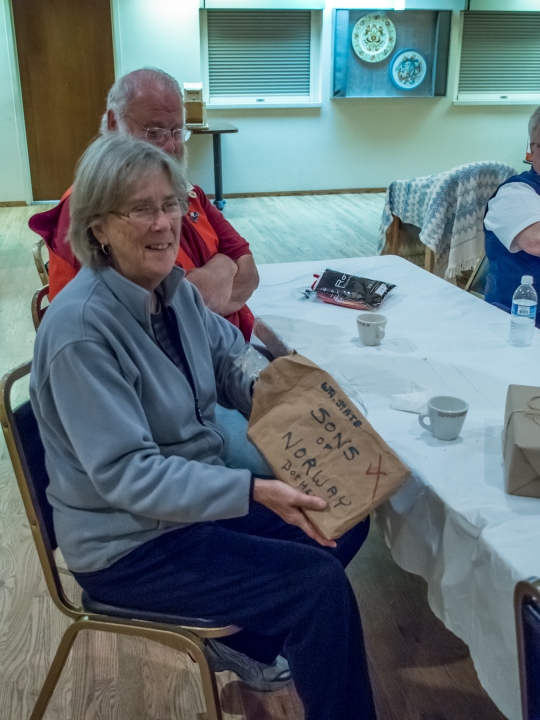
<point x="424" y="33"/>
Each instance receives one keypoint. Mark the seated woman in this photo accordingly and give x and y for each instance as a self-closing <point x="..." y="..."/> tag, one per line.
<point x="512" y="229"/>
<point x="128" y="367"/>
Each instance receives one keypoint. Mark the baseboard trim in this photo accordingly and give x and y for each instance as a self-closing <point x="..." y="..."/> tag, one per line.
<point x="347" y="191"/>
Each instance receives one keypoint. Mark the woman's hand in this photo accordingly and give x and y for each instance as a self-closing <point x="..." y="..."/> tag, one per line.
<point x="287" y="502"/>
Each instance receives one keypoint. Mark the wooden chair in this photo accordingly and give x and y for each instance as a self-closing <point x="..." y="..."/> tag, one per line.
<point x="527" y="613"/>
<point x="180" y="633"/>
<point x="395" y="247"/>
<point x="38" y="310"/>
<point x="477" y="281"/>
<point x="41" y="265"/>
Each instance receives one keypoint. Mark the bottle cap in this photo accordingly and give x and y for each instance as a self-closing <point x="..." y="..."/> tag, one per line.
<point x="527" y="280"/>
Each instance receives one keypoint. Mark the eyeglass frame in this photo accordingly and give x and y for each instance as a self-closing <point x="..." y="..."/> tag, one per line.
<point x="155" y="212"/>
<point x="186" y="133"/>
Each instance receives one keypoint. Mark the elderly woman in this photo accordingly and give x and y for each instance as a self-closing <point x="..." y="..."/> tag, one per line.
<point x="128" y="367"/>
<point x="512" y="228"/>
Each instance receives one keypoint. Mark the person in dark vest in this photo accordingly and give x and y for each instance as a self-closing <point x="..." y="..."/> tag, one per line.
<point x="148" y="104"/>
<point x="512" y="229"/>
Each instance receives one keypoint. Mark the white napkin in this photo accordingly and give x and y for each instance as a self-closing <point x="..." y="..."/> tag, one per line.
<point x="414" y="400"/>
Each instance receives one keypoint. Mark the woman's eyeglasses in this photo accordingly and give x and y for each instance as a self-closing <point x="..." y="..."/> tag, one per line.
<point x="146" y="214"/>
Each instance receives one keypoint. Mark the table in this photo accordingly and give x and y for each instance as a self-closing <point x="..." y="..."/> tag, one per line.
<point x="451" y="523"/>
<point x="216" y="130"/>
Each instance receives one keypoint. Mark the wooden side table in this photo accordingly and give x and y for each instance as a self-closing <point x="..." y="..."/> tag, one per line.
<point x="216" y="130"/>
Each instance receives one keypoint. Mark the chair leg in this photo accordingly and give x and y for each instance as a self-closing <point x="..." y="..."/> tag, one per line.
<point x="210" y="689"/>
<point x="183" y="642"/>
<point x="195" y="649"/>
<point x="429" y="261"/>
<point x="55" y="671"/>
<point x="393" y="232"/>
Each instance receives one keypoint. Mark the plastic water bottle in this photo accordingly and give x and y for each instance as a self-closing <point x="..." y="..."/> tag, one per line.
<point x="523" y="313"/>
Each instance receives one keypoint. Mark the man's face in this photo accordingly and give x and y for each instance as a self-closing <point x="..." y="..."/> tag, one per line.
<point x="156" y="110"/>
<point x="535" y="151"/>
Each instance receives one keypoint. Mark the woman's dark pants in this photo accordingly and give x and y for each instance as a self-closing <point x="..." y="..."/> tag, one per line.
<point x="289" y="594"/>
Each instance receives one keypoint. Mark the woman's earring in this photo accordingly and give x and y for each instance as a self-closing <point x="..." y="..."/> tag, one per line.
<point x="106" y="249"/>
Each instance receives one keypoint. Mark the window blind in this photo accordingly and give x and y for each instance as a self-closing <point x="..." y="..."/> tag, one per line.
<point x="500" y="54"/>
<point x="259" y="53"/>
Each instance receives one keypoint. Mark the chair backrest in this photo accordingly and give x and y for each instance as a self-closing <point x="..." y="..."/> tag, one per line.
<point x="38" y="310"/>
<point x="527" y="611"/>
<point x="28" y="458"/>
<point x="41" y="265"/>
<point x="477" y="281"/>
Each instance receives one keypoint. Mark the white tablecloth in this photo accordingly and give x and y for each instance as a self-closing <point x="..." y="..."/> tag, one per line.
<point x="452" y="523"/>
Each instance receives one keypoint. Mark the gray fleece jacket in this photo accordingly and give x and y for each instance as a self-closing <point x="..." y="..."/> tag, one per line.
<point x="126" y="455"/>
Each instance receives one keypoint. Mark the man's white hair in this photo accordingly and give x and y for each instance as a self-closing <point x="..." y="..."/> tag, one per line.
<point x="126" y="89"/>
<point x="534" y="123"/>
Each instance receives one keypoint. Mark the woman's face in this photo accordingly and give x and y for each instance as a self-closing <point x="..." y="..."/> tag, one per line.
<point x="143" y="234"/>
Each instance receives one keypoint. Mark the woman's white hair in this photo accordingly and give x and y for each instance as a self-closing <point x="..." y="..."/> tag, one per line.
<point x="126" y="89"/>
<point x="106" y="175"/>
<point x="534" y="123"/>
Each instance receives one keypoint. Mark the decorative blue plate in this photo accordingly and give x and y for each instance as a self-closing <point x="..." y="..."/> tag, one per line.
<point x="407" y="69"/>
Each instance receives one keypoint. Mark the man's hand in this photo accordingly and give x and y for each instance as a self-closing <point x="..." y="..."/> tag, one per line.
<point x="215" y="282"/>
<point x="287" y="502"/>
<point x="528" y="240"/>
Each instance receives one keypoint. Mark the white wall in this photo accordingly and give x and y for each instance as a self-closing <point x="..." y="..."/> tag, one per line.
<point x="348" y="143"/>
<point x="359" y="143"/>
<point x="159" y="33"/>
<point x="14" y="178"/>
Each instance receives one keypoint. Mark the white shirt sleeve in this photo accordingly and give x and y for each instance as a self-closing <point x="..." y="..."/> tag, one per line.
<point x="515" y="207"/>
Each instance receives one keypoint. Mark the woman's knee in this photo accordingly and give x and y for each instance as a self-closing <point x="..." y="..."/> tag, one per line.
<point x="324" y="574"/>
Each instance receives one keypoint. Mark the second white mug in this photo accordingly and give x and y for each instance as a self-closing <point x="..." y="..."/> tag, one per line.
<point x="371" y="328"/>
<point x="446" y="416"/>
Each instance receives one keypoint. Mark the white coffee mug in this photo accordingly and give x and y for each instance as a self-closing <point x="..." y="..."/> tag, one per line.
<point x="446" y="416"/>
<point x="371" y="328"/>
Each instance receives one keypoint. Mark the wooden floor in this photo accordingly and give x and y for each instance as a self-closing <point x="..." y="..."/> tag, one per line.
<point x="420" y="671"/>
<point x="308" y="227"/>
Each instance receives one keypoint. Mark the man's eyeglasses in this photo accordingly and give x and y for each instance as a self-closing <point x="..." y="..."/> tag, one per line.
<point x="159" y="136"/>
<point x="146" y="214"/>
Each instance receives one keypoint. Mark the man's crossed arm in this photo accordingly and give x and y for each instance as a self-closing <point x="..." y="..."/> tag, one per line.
<point x="224" y="284"/>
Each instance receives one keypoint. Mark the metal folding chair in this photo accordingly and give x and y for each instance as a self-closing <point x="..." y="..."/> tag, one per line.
<point x="180" y="633"/>
<point x="527" y="612"/>
<point x="38" y="309"/>
<point x="41" y="265"/>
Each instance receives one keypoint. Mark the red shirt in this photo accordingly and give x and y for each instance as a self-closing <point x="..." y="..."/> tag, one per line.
<point x="205" y="232"/>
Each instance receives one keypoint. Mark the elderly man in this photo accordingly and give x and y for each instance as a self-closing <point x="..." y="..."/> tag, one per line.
<point x="512" y="228"/>
<point x="148" y="104"/>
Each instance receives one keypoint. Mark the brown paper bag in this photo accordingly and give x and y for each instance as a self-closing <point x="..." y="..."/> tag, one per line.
<point x="522" y="441"/>
<point x="315" y="439"/>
